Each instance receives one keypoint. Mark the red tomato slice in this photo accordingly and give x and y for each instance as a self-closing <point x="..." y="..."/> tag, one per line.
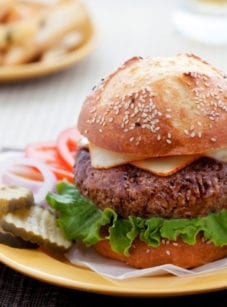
<point x="63" y="174"/>
<point x="67" y="144"/>
<point x="48" y="153"/>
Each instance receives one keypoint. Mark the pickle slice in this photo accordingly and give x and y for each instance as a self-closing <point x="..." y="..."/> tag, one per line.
<point x="13" y="241"/>
<point x="14" y="197"/>
<point x="36" y="225"/>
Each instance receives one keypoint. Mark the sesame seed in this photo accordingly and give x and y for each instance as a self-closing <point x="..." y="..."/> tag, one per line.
<point x="159" y="137"/>
<point x="168" y="252"/>
<point x="213" y="139"/>
<point x="93" y="110"/>
<point x="131" y="139"/>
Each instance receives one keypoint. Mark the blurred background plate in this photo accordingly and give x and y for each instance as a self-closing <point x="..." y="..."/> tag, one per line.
<point x="38" y="69"/>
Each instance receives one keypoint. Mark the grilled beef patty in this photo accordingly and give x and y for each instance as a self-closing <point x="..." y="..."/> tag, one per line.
<point x="197" y="190"/>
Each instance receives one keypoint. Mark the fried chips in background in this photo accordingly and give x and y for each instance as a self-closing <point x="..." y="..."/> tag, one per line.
<point x="39" y="31"/>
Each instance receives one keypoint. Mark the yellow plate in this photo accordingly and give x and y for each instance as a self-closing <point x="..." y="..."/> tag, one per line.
<point x="55" y="270"/>
<point x="32" y="70"/>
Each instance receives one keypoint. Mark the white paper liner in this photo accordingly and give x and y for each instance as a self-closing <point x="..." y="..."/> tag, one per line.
<point x="87" y="257"/>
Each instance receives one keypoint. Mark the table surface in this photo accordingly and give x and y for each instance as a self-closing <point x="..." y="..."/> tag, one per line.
<point x="37" y="110"/>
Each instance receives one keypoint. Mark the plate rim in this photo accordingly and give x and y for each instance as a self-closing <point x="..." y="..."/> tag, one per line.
<point x="91" y="281"/>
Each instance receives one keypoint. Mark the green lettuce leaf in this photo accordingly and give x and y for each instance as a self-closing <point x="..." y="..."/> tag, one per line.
<point x="80" y="219"/>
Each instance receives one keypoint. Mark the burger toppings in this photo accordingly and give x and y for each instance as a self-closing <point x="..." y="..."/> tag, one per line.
<point x="26" y="224"/>
<point x="102" y="158"/>
<point x="81" y="220"/>
<point x="219" y="155"/>
<point x="162" y="166"/>
<point x="36" y="225"/>
<point x="165" y="166"/>
<point x="13" y="197"/>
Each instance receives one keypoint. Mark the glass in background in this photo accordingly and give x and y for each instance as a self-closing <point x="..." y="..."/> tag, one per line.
<point x="202" y="20"/>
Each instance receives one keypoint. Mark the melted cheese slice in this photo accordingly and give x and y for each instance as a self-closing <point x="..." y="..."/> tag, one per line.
<point x="165" y="166"/>
<point x="102" y="158"/>
<point x="162" y="166"/>
<point x="219" y="155"/>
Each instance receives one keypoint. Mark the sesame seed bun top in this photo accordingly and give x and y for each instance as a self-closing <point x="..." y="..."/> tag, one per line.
<point x="158" y="107"/>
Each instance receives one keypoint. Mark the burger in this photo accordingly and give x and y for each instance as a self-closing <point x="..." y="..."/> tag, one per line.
<point x="151" y="168"/>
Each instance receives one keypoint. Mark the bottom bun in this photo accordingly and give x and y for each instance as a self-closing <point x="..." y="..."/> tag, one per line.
<point x="172" y="252"/>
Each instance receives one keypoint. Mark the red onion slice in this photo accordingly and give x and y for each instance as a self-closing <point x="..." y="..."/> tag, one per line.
<point x="10" y="175"/>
